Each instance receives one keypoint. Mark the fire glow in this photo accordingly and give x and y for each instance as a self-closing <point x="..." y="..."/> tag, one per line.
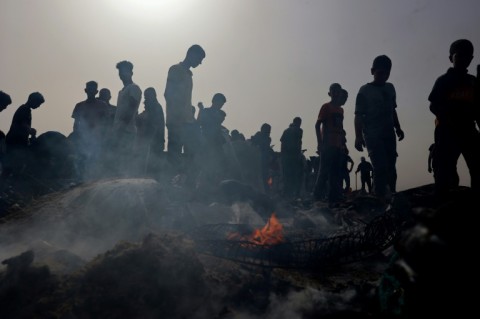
<point x="270" y="234"/>
<point x="270" y="181"/>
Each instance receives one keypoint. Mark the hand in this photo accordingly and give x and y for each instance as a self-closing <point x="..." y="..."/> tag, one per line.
<point x="319" y="149"/>
<point x="200" y="106"/>
<point x="429" y="169"/>
<point x="33" y="132"/>
<point x="400" y="134"/>
<point x="359" y="144"/>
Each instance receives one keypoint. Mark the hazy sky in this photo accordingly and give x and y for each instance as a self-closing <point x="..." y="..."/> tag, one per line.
<point x="273" y="59"/>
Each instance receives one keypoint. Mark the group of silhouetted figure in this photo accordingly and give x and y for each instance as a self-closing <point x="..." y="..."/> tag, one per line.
<point x="117" y="141"/>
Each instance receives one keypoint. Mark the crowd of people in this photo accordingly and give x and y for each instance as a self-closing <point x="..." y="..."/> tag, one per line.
<point x="118" y="141"/>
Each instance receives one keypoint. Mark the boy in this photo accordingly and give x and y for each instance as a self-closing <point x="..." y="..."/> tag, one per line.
<point x="454" y="102"/>
<point x="376" y="123"/>
<point x="210" y="120"/>
<point x="330" y="144"/>
<point x="20" y="135"/>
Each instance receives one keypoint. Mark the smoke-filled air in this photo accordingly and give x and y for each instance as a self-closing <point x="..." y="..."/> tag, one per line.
<point x="238" y="159"/>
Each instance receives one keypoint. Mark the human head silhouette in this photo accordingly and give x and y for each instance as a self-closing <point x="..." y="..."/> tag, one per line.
<point x="461" y="53"/>
<point x="35" y="99"/>
<point x="381" y="67"/>
<point x="105" y="95"/>
<point x="195" y="56"/>
<point x="5" y="100"/>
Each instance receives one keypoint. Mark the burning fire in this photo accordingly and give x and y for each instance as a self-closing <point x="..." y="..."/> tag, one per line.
<point x="270" y="181"/>
<point x="270" y="234"/>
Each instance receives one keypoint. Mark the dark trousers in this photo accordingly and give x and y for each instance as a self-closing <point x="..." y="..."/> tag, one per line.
<point x="186" y="137"/>
<point x="329" y="180"/>
<point x="292" y="174"/>
<point x="382" y="150"/>
<point x="448" y="148"/>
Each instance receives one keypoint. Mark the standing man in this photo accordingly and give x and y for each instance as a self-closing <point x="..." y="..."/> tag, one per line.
<point x="263" y="141"/>
<point x="105" y="96"/>
<point x="291" y="154"/>
<point x="376" y="123"/>
<point x="5" y="100"/>
<point x="20" y="133"/>
<point x="124" y="130"/>
<point x="180" y="122"/>
<point x="89" y="118"/>
<point x="150" y="141"/>
<point x="365" y="169"/>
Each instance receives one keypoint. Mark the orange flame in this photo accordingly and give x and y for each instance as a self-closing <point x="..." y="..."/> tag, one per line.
<point x="270" y="234"/>
<point x="270" y="181"/>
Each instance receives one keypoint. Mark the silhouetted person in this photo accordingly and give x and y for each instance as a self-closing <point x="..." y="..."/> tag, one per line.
<point x="262" y="141"/>
<point x="330" y="143"/>
<point x="5" y="101"/>
<point x="242" y="160"/>
<point x="432" y="165"/>
<point x="376" y="123"/>
<point x="182" y="129"/>
<point x="235" y="135"/>
<point x="151" y="130"/>
<point x="105" y="96"/>
<point x="210" y="120"/>
<point x="291" y="155"/>
<point x="454" y="101"/>
<point x="346" y="169"/>
<point x="20" y="134"/>
<point x="124" y="124"/>
<point x="431" y="151"/>
<point x="88" y="131"/>
<point x="365" y="169"/>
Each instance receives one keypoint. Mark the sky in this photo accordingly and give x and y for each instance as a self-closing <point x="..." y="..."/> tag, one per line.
<point x="273" y="59"/>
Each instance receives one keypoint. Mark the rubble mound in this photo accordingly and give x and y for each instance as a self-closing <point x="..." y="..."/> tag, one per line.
<point x="161" y="277"/>
<point x="95" y="215"/>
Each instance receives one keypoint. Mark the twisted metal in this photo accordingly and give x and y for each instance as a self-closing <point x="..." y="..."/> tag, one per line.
<point x="300" y="250"/>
